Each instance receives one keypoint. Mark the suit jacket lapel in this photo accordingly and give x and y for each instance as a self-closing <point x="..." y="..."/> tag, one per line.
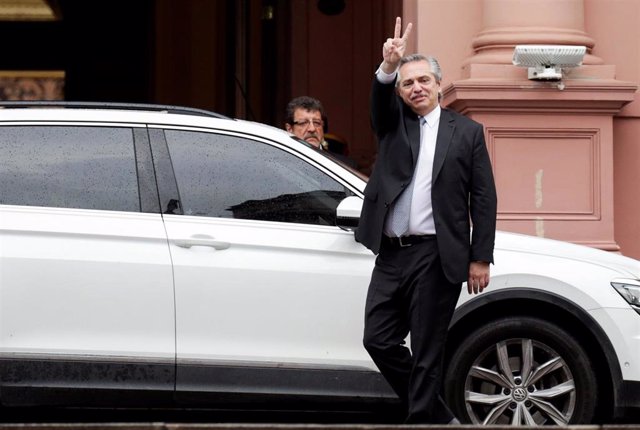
<point x="445" y="134"/>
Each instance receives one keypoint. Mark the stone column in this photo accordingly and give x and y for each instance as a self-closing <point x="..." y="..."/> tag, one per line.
<point x="542" y="22"/>
<point x="551" y="142"/>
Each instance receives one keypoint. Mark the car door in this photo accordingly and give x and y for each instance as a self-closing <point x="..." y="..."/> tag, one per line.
<point x="86" y="291"/>
<point x="269" y="292"/>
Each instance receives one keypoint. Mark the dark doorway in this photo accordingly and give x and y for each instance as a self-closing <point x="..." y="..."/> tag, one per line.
<point x="107" y="49"/>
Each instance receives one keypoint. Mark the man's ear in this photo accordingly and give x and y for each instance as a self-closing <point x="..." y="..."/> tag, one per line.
<point x="288" y="127"/>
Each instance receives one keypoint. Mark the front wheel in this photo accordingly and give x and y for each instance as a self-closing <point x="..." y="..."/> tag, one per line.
<point x="521" y="371"/>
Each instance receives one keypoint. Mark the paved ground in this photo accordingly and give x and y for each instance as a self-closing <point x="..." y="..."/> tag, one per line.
<point x="246" y="426"/>
<point x="189" y="416"/>
<point x="75" y="419"/>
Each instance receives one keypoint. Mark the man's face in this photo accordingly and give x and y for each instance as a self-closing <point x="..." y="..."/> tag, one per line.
<point x="418" y="86"/>
<point x="307" y="125"/>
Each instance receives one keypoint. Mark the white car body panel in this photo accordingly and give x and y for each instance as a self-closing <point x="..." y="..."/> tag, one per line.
<point x="626" y="341"/>
<point x="228" y="301"/>
<point x="85" y="282"/>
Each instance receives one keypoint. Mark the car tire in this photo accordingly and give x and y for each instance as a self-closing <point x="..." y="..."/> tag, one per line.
<point x="521" y="371"/>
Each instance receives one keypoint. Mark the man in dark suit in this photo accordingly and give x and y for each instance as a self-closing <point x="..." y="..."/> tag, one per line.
<point x="431" y="180"/>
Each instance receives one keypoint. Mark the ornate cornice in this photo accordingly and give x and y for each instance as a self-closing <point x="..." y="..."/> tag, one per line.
<point x="598" y="96"/>
<point x="28" y="10"/>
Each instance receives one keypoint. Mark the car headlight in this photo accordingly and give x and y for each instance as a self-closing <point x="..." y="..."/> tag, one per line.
<point x="629" y="289"/>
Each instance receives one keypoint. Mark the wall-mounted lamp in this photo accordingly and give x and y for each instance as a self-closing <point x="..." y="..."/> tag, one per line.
<point x="546" y="62"/>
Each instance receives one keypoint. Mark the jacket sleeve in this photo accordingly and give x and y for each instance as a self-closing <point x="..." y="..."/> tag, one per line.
<point x="384" y="107"/>
<point x="483" y="202"/>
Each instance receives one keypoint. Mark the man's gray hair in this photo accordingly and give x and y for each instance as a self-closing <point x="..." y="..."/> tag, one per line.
<point x="433" y="64"/>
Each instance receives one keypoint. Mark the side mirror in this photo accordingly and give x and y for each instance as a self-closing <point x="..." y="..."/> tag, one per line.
<point x="348" y="213"/>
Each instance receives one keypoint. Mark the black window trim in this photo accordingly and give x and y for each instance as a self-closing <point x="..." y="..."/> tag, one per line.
<point x="167" y="184"/>
<point x="147" y="185"/>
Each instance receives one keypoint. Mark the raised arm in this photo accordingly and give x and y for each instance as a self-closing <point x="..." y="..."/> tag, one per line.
<point x="383" y="100"/>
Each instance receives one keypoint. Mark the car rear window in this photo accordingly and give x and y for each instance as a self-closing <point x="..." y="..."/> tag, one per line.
<point x="68" y="167"/>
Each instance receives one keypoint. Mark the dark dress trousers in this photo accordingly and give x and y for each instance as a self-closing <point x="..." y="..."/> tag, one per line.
<point x="415" y="289"/>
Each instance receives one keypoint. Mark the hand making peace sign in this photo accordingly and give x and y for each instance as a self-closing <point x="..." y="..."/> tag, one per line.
<point x="393" y="49"/>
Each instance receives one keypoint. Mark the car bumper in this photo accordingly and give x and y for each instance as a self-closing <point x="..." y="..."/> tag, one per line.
<point x="628" y="400"/>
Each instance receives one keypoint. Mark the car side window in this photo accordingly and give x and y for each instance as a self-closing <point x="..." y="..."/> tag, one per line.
<point x="232" y="177"/>
<point x="68" y="167"/>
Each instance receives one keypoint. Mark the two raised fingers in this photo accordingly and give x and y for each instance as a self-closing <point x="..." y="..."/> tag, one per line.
<point x="398" y="29"/>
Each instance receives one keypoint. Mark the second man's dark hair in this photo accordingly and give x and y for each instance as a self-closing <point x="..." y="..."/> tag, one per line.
<point x="306" y="103"/>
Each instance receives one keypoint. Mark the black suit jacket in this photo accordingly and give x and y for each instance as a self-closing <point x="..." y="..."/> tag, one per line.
<point x="463" y="189"/>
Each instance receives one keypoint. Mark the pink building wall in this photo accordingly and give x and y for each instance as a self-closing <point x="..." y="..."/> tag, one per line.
<point x="567" y="162"/>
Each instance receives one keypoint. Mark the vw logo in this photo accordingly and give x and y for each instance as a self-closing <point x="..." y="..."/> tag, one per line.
<point x="519" y="394"/>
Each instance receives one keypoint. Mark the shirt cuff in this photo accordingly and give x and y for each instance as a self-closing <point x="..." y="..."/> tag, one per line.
<point x="385" y="78"/>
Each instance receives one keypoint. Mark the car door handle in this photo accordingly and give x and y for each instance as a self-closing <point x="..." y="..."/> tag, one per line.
<point x="201" y="240"/>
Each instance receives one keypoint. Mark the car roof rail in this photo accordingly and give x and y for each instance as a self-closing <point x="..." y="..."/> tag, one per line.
<point x="109" y="105"/>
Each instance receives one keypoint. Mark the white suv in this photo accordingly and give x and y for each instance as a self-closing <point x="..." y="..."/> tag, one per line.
<point x="164" y="256"/>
